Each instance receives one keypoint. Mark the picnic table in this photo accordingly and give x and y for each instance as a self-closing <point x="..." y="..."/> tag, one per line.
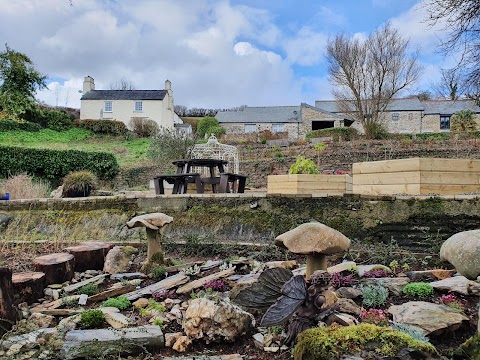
<point x="220" y="180"/>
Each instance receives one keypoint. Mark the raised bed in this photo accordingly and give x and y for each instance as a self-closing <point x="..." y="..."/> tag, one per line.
<point x="416" y="176"/>
<point x="309" y="184"/>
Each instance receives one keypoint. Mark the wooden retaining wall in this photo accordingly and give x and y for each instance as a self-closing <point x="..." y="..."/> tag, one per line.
<point x="417" y="176"/>
<point x="309" y="184"/>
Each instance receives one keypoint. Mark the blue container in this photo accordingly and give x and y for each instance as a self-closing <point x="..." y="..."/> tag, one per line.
<point x="5" y="197"/>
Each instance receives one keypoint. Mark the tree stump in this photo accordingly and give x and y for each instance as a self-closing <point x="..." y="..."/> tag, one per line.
<point x="28" y="286"/>
<point x="8" y="314"/>
<point x="57" y="267"/>
<point x="88" y="256"/>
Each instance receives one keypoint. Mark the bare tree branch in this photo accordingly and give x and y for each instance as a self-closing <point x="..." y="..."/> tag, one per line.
<point x="122" y="84"/>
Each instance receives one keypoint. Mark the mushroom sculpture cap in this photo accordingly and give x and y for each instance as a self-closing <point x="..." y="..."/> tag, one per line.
<point x="313" y="237"/>
<point x="152" y="221"/>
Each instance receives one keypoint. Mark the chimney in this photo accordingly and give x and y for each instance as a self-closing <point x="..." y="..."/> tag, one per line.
<point x="88" y="84"/>
<point x="168" y="85"/>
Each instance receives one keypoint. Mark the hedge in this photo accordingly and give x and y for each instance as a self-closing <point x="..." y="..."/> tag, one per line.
<point x="347" y="133"/>
<point x="54" y="119"/>
<point x="11" y="125"/>
<point x="108" y="127"/>
<point x="55" y="164"/>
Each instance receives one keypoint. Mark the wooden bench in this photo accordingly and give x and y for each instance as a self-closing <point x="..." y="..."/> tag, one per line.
<point x="179" y="181"/>
<point x="230" y="182"/>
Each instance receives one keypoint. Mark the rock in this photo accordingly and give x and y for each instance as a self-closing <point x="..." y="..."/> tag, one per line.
<point x="141" y="303"/>
<point x="69" y="323"/>
<point x="57" y="193"/>
<point x="258" y="340"/>
<point x="118" y="259"/>
<point x="99" y="343"/>
<point x="458" y="284"/>
<point x="342" y="319"/>
<point x="41" y="320"/>
<point x="171" y="338"/>
<point x="128" y="276"/>
<point x="210" y="264"/>
<point x="344" y="266"/>
<point x="182" y="343"/>
<point x="216" y="320"/>
<point x="395" y="285"/>
<point x="434" y="319"/>
<point x="281" y="264"/>
<point x="93" y="280"/>
<point x="462" y="250"/>
<point x="26" y="341"/>
<point x="115" y="319"/>
<point x="348" y="292"/>
<point x="348" y="306"/>
<point x="362" y="269"/>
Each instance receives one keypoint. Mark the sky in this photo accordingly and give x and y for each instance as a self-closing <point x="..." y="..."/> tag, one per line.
<point x="216" y="53"/>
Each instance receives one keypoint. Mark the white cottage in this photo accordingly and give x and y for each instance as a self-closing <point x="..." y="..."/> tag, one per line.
<point x="123" y="105"/>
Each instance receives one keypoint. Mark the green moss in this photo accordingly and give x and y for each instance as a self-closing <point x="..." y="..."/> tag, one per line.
<point x="91" y="319"/>
<point x="470" y="349"/>
<point x="129" y="250"/>
<point x="333" y="341"/>
<point x="120" y="303"/>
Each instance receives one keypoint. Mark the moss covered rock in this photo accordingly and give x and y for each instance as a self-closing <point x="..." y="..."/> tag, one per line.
<point x="367" y="340"/>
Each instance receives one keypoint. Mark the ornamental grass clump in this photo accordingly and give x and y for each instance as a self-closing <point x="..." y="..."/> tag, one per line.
<point x="418" y="289"/>
<point x="374" y="295"/>
<point x="79" y="184"/>
<point x="92" y="319"/>
<point x="334" y="341"/>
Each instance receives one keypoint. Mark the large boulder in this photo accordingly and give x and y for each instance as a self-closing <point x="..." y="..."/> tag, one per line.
<point x="118" y="260"/>
<point x="219" y="320"/>
<point x="434" y="319"/>
<point x="462" y="250"/>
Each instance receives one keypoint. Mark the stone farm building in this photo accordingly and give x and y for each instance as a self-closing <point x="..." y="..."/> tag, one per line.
<point x="409" y="115"/>
<point x="124" y="105"/>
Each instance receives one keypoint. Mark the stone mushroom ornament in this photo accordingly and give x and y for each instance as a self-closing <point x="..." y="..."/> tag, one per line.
<point x="315" y="240"/>
<point x="153" y="223"/>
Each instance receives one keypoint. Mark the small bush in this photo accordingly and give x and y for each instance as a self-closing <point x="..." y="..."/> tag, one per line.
<point x="11" y="125"/>
<point x="79" y="184"/>
<point x="205" y="125"/>
<point x="89" y="289"/>
<point x="121" y="303"/>
<point x="418" y="289"/>
<point x="54" y="119"/>
<point x="346" y="133"/>
<point x="159" y="272"/>
<point x="374" y="295"/>
<point x="144" y="127"/>
<point x="217" y="130"/>
<point x="106" y="127"/>
<point x="169" y="144"/>
<point x="24" y="186"/>
<point x="92" y="319"/>
<point x="303" y="166"/>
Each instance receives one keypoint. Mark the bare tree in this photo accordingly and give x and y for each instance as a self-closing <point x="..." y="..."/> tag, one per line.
<point x="461" y="18"/>
<point x="122" y="84"/>
<point x="180" y="110"/>
<point x="369" y="73"/>
<point x="58" y="92"/>
<point x="450" y="85"/>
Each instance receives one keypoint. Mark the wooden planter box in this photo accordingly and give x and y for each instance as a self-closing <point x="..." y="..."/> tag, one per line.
<point x="416" y="176"/>
<point x="309" y="184"/>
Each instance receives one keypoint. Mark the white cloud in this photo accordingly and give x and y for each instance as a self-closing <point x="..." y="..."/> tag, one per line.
<point x="306" y="48"/>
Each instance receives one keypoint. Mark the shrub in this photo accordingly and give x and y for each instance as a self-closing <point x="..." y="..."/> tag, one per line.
<point x="12" y="125"/>
<point x="120" y="303"/>
<point x="159" y="272"/>
<point x="88" y="289"/>
<point x="216" y="130"/>
<point x="346" y="133"/>
<point x="463" y="121"/>
<point x="91" y="319"/>
<point x="204" y="125"/>
<point x="55" y="164"/>
<point x="374" y="316"/>
<point x="418" y="289"/>
<point x="143" y="127"/>
<point x="79" y="184"/>
<point x="24" y="186"/>
<point x="333" y="341"/>
<point x="169" y="144"/>
<point x="50" y="118"/>
<point x="303" y="166"/>
<point x="106" y="127"/>
<point x="374" y="295"/>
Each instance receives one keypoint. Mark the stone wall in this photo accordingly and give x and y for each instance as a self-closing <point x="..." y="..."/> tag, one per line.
<point x="417" y="223"/>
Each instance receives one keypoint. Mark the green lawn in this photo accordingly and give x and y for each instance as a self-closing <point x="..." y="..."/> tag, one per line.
<point x="128" y="152"/>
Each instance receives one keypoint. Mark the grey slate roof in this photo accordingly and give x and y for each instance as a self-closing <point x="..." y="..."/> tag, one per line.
<point x="263" y="114"/>
<point x="124" y="95"/>
<point x="449" y="107"/>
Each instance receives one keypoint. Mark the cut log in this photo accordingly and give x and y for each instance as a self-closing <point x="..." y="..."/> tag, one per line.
<point x="165" y="284"/>
<point x="8" y="315"/>
<point x="57" y="267"/>
<point x="200" y="282"/>
<point x="88" y="256"/>
<point x="110" y="293"/>
<point x="28" y="286"/>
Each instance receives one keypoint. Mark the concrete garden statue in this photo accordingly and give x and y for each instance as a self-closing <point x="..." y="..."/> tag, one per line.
<point x="153" y="223"/>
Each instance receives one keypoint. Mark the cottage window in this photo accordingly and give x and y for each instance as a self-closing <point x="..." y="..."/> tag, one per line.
<point x="395" y="116"/>
<point x="278" y="128"/>
<point x="250" y="128"/>
<point x="107" y="106"/>
<point x="444" y="122"/>
<point x="410" y="116"/>
<point x="138" y="106"/>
